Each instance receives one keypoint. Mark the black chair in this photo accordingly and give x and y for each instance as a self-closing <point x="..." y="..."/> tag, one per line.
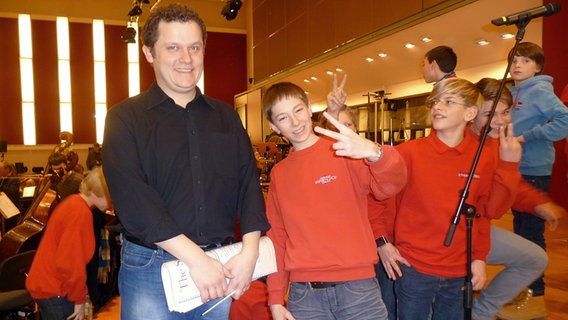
<point x="13" y="294"/>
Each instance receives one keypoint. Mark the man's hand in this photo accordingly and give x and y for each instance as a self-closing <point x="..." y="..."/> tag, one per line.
<point x="78" y="312"/>
<point x="241" y="266"/>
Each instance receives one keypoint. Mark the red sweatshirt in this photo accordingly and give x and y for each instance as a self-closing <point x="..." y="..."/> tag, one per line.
<point x="427" y="204"/>
<point x="66" y="247"/>
<point x="317" y="209"/>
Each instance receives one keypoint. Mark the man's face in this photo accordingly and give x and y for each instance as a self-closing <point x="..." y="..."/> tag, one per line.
<point x="59" y="169"/>
<point x="177" y="58"/>
<point x="4" y="170"/>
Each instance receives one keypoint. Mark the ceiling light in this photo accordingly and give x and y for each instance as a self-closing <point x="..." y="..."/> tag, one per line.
<point x="382" y="54"/>
<point x="329" y="73"/>
<point x="129" y="35"/>
<point x="306" y="81"/>
<point x="231" y="9"/>
<point x="426" y="39"/>
<point x="369" y="59"/>
<point x="338" y="69"/>
<point x="136" y="11"/>
<point x="314" y="78"/>
<point x="409" y="45"/>
<point x="507" y="35"/>
<point x="482" y="42"/>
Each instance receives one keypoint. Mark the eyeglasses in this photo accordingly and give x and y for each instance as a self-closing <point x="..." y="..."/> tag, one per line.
<point x="447" y="102"/>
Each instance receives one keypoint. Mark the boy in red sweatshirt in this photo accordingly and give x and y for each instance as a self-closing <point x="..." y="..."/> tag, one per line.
<point x="438" y="165"/>
<point x="58" y="276"/>
<point x="317" y="207"/>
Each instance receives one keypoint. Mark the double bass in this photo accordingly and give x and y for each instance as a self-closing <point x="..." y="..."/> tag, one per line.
<point x="26" y="235"/>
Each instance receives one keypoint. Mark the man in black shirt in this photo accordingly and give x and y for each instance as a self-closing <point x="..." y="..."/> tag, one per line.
<point x="180" y="167"/>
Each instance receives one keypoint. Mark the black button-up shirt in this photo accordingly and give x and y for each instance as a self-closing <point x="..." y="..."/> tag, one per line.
<point x="174" y="170"/>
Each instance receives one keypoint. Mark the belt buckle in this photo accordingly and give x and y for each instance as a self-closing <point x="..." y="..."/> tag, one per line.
<point x="321" y="285"/>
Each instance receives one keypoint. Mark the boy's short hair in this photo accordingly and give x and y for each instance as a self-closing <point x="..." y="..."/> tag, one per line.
<point x="279" y="91"/>
<point x="445" y="57"/>
<point x="94" y="182"/>
<point x="532" y="51"/>
<point x="458" y="87"/>
<point x="489" y="88"/>
<point x="173" y="12"/>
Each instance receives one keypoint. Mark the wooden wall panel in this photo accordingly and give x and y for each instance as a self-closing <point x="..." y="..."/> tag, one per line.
<point x="388" y="12"/>
<point x="225" y="66"/>
<point x="320" y="38"/>
<point x="82" y="82"/>
<point x="296" y="41"/>
<point x="10" y="89"/>
<point x="46" y="81"/>
<point x="360" y="19"/>
<point x="116" y="65"/>
<point x="295" y="9"/>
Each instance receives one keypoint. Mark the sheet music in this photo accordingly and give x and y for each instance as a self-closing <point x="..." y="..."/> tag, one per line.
<point x="7" y="207"/>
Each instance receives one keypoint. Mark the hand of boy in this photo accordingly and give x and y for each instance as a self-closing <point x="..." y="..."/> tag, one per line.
<point x="510" y="149"/>
<point x="336" y="98"/>
<point x="390" y="258"/>
<point x="349" y="144"/>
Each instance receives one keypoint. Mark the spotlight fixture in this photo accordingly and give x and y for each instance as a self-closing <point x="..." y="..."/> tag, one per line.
<point x="231" y="9"/>
<point x="129" y="35"/>
<point x="136" y="11"/>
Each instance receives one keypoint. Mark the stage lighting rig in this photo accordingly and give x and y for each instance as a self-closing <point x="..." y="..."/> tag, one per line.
<point x="231" y="9"/>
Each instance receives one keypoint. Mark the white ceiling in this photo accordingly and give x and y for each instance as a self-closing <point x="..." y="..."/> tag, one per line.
<point x="400" y="73"/>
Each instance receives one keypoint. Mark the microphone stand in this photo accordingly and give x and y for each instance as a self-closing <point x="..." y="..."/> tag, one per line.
<point x="468" y="210"/>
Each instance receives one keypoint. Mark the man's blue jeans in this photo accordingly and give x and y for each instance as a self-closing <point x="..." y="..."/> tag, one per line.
<point x="142" y="293"/>
<point x="421" y="296"/>
<point x="350" y="300"/>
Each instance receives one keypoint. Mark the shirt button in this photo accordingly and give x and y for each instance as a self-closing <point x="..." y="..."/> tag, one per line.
<point x="193" y="132"/>
<point x="200" y="208"/>
<point x="195" y="157"/>
<point x="201" y="234"/>
<point x="198" y="181"/>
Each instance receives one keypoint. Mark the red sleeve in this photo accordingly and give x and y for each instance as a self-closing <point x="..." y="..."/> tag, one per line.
<point x="388" y="174"/>
<point x="74" y="253"/>
<point x="277" y="282"/>
<point x="528" y="197"/>
<point x="381" y="216"/>
<point x="503" y="189"/>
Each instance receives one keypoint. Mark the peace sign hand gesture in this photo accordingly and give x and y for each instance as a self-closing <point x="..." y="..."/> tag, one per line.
<point x="336" y="98"/>
<point x="350" y="144"/>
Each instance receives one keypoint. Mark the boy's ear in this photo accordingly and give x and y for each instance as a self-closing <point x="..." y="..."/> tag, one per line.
<point x="273" y="127"/>
<point x="471" y="113"/>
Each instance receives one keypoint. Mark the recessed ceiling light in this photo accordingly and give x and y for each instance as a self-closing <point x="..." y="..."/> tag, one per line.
<point x="482" y="42"/>
<point x="329" y="73"/>
<point x="369" y="59"/>
<point x="314" y="78"/>
<point x="338" y="69"/>
<point x="426" y="39"/>
<point x="409" y="45"/>
<point x="306" y="81"/>
<point x="507" y="35"/>
<point x="382" y="54"/>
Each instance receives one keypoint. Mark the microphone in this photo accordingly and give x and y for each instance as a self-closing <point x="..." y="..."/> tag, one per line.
<point x="541" y="11"/>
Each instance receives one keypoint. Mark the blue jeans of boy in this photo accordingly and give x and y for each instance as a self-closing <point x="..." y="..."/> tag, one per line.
<point x="387" y="290"/>
<point x="56" y="308"/>
<point x="421" y="296"/>
<point x="531" y="227"/>
<point x="350" y="300"/>
<point x="142" y="293"/>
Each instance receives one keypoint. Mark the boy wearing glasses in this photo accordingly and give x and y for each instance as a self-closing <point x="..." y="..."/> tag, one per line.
<point x="429" y="275"/>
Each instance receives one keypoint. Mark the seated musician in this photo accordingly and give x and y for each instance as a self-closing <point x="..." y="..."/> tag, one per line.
<point x="64" y="180"/>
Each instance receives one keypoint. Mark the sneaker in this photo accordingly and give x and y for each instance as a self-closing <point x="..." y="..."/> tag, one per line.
<point x="524" y="307"/>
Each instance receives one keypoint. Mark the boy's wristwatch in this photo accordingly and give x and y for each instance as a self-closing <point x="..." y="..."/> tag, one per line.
<point x="381" y="241"/>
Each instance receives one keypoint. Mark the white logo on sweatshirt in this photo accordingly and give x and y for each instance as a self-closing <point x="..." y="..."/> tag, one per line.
<point x="325" y="179"/>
